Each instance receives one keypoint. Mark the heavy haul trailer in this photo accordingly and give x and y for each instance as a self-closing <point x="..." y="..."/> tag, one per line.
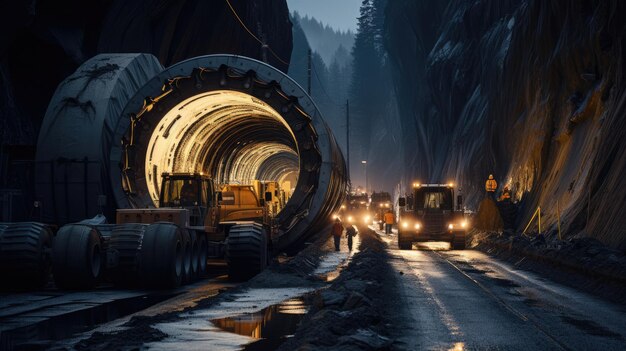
<point x="193" y="222"/>
<point x="130" y="120"/>
<point x="432" y="216"/>
<point x="154" y="247"/>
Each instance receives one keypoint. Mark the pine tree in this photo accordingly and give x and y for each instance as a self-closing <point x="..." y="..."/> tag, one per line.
<point x="366" y="78"/>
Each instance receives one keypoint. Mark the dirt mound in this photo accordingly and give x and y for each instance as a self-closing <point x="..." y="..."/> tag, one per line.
<point x="488" y="217"/>
<point x="350" y="314"/>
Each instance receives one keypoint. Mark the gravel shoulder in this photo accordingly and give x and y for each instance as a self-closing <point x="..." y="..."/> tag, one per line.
<point x="581" y="263"/>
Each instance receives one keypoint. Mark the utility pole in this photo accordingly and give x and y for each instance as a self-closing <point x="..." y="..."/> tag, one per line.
<point x="309" y="74"/>
<point x="348" y="135"/>
<point x="364" y="162"/>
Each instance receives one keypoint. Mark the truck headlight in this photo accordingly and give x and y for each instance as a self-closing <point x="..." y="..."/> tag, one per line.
<point x="463" y="224"/>
<point x="405" y="224"/>
<point x="418" y="226"/>
<point x="450" y="226"/>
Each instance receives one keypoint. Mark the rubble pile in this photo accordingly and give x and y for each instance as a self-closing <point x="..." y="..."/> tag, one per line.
<point x="350" y="313"/>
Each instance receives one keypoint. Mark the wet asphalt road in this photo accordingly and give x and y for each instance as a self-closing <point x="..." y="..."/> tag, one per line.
<point x="458" y="300"/>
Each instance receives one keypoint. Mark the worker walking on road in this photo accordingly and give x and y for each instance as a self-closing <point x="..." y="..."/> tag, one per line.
<point x="389" y="219"/>
<point x="350" y="233"/>
<point x="337" y="231"/>
<point x="490" y="186"/>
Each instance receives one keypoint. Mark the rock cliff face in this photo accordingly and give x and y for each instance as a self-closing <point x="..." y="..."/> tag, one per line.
<point x="531" y="91"/>
<point x="42" y="42"/>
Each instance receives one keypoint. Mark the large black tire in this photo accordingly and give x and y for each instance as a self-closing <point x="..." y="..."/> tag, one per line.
<point x="25" y="255"/>
<point x="458" y="241"/>
<point x="77" y="257"/>
<point x="404" y="244"/>
<point x="162" y="256"/>
<point x="123" y="251"/>
<point x="187" y="264"/>
<point x="195" y="255"/>
<point x="202" y="254"/>
<point x="246" y="250"/>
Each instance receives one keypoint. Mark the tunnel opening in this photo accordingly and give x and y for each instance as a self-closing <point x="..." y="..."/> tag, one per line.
<point x="231" y="136"/>
<point x="224" y="123"/>
<point x="237" y="126"/>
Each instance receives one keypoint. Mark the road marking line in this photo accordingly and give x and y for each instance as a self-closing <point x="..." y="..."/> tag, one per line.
<point x="504" y="304"/>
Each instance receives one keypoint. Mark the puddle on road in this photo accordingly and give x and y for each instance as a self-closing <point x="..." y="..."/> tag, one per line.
<point x="590" y="327"/>
<point x="38" y="336"/>
<point x="532" y="302"/>
<point x="247" y="320"/>
<point x="271" y="325"/>
<point x="504" y="282"/>
<point x="434" y="246"/>
<point x="334" y="262"/>
<point x="473" y="270"/>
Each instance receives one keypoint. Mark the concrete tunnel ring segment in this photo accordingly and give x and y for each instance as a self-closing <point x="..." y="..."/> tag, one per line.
<point x="311" y="204"/>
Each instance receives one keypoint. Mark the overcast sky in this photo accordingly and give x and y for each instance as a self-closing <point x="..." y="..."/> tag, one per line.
<point x="339" y="14"/>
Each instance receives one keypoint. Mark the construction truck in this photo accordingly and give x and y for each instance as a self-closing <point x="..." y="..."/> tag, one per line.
<point x="432" y="216"/>
<point x="380" y="204"/>
<point x="357" y="208"/>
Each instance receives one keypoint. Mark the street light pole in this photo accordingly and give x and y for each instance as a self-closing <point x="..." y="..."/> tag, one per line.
<point x="348" y="136"/>
<point x="366" y="185"/>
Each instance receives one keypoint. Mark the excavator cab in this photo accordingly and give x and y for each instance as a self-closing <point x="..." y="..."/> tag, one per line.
<point x="191" y="191"/>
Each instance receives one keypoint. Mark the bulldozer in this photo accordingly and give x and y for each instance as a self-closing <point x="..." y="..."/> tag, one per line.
<point x="432" y="216"/>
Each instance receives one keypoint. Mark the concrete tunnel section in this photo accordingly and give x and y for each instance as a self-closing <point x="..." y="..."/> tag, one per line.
<point x="231" y="117"/>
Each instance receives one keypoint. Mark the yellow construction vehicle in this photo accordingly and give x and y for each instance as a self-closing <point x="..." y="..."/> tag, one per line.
<point x="233" y="222"/>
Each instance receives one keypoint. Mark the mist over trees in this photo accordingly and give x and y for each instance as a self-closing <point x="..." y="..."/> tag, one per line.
<point x="326" y="40"/>
<point x="354" y="67"/>
<point x="329" y="82"/>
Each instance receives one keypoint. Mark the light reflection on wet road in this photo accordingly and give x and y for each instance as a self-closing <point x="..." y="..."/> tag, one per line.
<point x="465" y="299"/>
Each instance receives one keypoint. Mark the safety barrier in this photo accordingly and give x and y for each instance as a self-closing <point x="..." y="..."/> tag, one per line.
<point x="536" y="214"/>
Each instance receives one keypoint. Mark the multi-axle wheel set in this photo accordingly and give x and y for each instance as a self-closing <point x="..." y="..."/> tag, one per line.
<point x="158" y="255"/>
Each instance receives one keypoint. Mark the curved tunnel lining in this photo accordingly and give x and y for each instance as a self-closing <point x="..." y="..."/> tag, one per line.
<point x="227" y="134"/>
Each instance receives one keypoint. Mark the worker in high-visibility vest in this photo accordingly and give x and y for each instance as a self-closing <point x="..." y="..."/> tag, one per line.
<point x="506" y="194"/>
<point x="389" y="219"/>
<point x="490" y="186"/>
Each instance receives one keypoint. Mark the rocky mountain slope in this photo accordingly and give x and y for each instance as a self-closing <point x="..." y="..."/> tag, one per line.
<point x="531" y="91"/>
